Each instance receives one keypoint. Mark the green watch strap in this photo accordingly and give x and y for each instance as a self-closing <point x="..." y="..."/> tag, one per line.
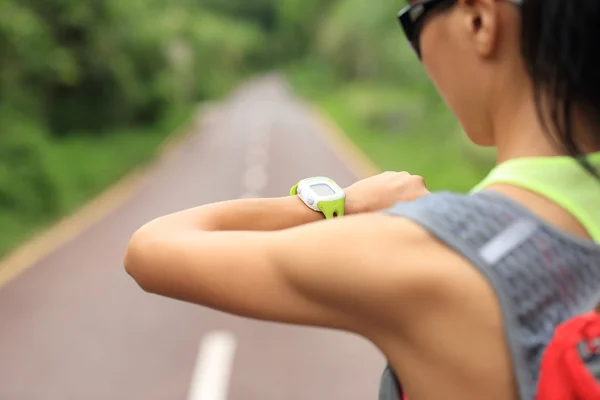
<point x="294" y="189"/>
<point x="330" y="209"/>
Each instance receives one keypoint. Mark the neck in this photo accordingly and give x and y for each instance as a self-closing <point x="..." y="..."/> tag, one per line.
<point x="519" y="133"/>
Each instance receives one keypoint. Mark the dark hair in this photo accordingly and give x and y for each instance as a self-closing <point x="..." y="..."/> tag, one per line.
<point x="560" y="39"/>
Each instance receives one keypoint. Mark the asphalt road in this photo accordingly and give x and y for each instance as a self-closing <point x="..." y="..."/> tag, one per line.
<point x="75" y="326"/>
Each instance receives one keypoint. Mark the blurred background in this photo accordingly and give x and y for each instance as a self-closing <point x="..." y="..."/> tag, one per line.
<point x="89" y="89"/>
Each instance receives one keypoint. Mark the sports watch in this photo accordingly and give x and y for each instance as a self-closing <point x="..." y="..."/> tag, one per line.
<point x="321" y="194"/>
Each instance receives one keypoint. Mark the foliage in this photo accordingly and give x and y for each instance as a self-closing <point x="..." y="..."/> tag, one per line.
<point x="92" y="66"/>
<point x="88" y="90"/>
<point x="83" y="83"/>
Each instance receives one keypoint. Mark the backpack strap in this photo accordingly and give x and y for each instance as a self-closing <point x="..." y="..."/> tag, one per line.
<point x="390" y="387"/>
<point x="485" y="229"/>
<point x="541" y="276"/>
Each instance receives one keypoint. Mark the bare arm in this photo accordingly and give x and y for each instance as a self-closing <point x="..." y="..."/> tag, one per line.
<point x="380" y="276"/>
<point x="246" y="257"/>
<point x="337" y="274"/>
<point x="375" y="193"/>
<point x="248" y="215"/>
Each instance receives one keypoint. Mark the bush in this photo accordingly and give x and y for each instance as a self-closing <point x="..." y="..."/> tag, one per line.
<point x="29" y="184"/>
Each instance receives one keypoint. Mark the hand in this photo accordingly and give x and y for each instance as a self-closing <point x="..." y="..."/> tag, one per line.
<point x="382" y="191"/>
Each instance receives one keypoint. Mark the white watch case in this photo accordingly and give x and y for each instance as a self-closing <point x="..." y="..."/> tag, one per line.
<point x="314" y="190"/>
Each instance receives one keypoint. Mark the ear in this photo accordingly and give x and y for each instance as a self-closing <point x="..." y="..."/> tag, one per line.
<point x="481" y="23"/>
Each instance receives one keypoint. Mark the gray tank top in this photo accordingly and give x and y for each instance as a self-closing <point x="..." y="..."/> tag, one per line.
<point x="541" y="275"/>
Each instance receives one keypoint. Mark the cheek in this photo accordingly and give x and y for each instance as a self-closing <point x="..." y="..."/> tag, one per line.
<point x="444" y="67"/>
<point x="441" y="58"/>
<point x="455" y="76"/>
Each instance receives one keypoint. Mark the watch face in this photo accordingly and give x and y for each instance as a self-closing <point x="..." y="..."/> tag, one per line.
<point x="322" y="189"/>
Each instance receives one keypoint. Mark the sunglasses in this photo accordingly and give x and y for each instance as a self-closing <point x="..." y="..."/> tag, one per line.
<point x="412" y="18"/>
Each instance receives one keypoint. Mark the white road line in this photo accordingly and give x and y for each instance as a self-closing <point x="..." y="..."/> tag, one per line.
<point x="255" y="178"/>
<point x="260" y="138"/>
<point x="257" y="156"/>
<point x="213" y="367"/>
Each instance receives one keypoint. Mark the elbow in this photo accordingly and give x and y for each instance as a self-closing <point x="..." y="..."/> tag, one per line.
<point x="138" y="257"/>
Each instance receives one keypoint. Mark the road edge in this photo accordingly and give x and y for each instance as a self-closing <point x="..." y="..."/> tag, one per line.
<point x="67" y="228"/>
<point x="347" y="151"/>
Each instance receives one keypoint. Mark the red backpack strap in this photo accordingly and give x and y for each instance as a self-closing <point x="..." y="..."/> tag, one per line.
<point x="570" y="368"/>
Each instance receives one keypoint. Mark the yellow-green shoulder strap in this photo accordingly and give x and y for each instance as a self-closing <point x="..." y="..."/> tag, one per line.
<point x="560" y="179"/>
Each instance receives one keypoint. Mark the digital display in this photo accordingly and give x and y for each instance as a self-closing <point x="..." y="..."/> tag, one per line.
<point x="323" y="189"/>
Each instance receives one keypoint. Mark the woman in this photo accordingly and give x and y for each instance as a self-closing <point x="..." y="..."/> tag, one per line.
<point x="461" y="291"/>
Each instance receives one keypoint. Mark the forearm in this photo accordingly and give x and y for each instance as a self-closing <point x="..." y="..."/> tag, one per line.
<point x="242" y="215"/>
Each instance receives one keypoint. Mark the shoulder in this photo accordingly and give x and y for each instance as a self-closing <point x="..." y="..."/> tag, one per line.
<point x="441" y="245"/>
<point x="391" y="266"/>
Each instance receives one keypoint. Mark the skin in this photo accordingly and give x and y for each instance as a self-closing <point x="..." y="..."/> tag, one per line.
<point x="435" y="318"/>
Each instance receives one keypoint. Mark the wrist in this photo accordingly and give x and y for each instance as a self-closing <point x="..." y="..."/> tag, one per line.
<point x="304" y="215"/>
<point x="321" y="194"/>
<point x="353" y="207"/>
